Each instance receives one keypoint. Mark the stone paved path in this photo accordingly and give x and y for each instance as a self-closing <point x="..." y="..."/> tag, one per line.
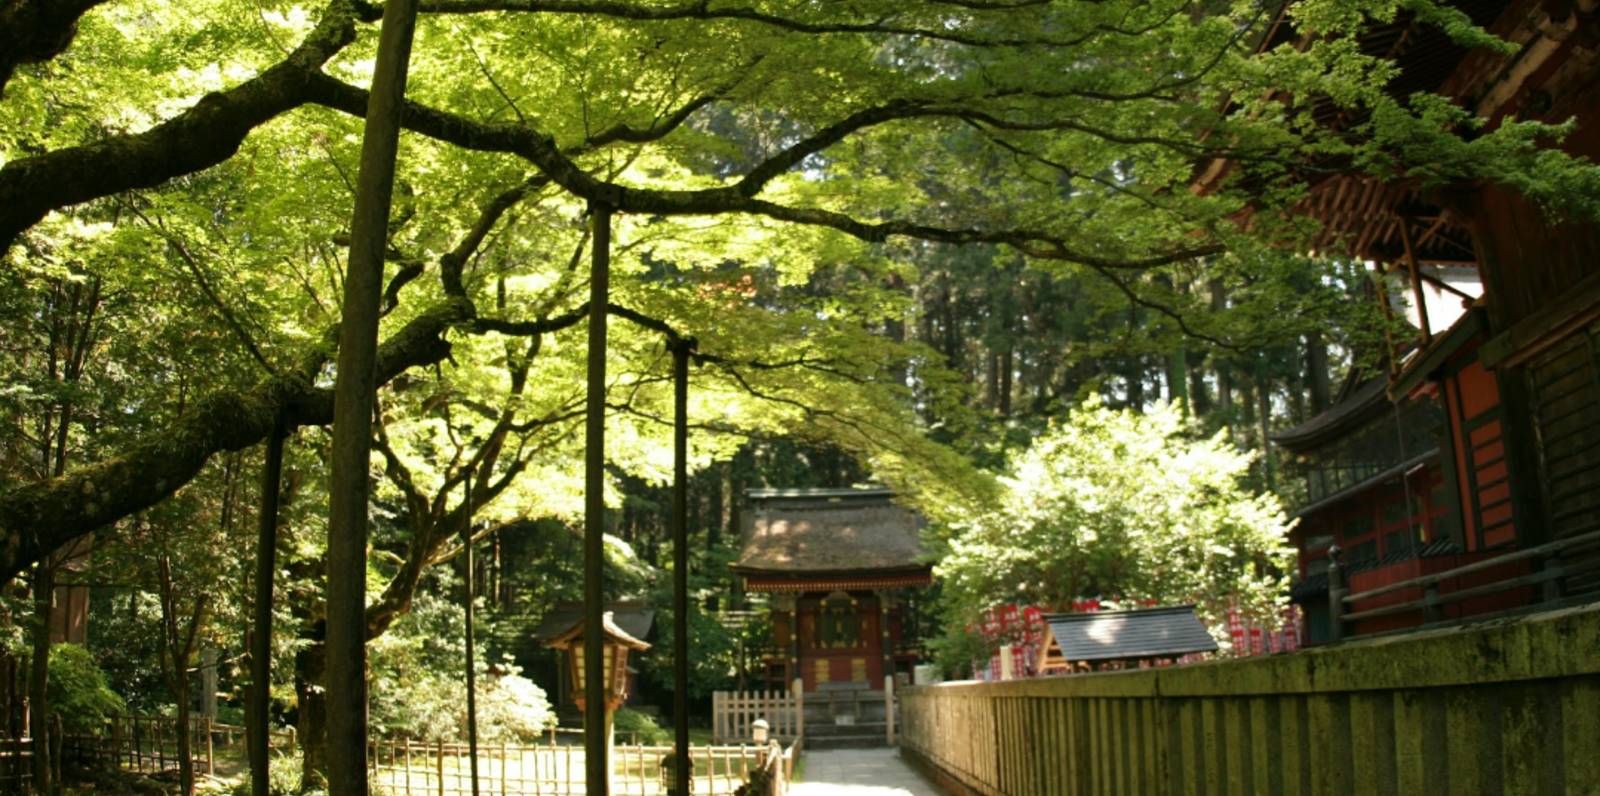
<point x="860" y="772"/>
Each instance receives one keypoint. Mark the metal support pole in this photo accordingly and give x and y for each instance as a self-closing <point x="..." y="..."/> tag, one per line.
<point x="680" y="563"/>
<point x="472" y="674"/>
<point x="595" y="740"/>
<point x="261" y="632"/>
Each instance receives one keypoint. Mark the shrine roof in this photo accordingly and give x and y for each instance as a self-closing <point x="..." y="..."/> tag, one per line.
<point x="1142" y="634"/>
<point x="634" y="619"/>
<point x="828" y="533"/>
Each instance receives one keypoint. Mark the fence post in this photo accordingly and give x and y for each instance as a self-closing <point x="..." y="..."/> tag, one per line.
<point x="439" y="766"/>
<point x="888" y="699"/>
<point x="1336" y="595"/>
<point x="799" y="687"/>
<point x="211" y="756"/>
<point x="1432" y="611"/>
<point x="1552" y="591"/>
<point x="716" y="716"/>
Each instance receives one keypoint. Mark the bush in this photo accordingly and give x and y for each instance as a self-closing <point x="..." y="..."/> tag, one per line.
<point x="431" y="707"/>
<point x="78" y="692"/>
<point x="629" y="721"/>
<point x="283" y="778"/>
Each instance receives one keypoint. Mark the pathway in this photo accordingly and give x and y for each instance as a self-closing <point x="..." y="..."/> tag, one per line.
<point x="860" y="772"/>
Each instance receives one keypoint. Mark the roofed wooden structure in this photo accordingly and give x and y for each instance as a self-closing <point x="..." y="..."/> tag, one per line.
<point x="837" y="562"/>
<point x="1145" y="634"/>
<point x="1512" y="385"/>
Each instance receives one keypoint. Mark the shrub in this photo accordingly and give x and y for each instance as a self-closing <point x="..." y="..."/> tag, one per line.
<point x="628" y="720"/>
<point x="78" y="692"/>
<point x="283" y="778"/>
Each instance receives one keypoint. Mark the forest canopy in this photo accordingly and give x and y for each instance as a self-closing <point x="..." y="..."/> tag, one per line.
<point x="195" y="164"/>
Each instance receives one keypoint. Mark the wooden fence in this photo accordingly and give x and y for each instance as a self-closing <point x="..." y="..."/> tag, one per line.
<point x="732" y="713"/>
<point x="145" y="743"/>
<point x="150" y="743"/>
<point x="16" y="765"/>
<point x="410" y="768"/>
<point x="1505" y="707"/>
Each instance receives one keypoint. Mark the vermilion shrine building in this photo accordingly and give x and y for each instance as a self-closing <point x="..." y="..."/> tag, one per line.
<point x="1480" y="435"/>
<point x="839" y="565"/>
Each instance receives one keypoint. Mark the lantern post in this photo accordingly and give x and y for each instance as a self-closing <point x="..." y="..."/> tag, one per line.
<point x="615" y="646"/>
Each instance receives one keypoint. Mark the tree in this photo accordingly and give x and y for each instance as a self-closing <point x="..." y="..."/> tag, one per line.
<point x="1117" y="505"/>
<point x="1078" y="128"/>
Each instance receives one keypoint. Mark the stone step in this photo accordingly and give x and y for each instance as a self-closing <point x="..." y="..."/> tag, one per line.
<point x="853" y="741"/>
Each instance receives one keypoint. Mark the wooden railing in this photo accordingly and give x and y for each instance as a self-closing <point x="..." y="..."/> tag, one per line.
<point x="145" y="743"/>
<point x="733" y="712"/>
<point x="1549" y="577"/>
<point x="16" y="765"/>
<point x="1511" y="706"/>
<point x="410" y="768"/>
<point x="233" y="734"/>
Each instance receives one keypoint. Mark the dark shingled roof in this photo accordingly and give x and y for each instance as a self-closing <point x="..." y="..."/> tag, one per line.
<point x="833" y="531"/>
<point x="634" y="619"/>
<point x="1365" y="402"/>
<point x="1099" y="636"/>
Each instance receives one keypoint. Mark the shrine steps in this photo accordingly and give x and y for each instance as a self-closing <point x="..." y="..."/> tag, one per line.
<point x="866" y="735"/>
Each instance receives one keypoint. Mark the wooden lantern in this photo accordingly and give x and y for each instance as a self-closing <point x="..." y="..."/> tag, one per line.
<point x="616" y="646"/>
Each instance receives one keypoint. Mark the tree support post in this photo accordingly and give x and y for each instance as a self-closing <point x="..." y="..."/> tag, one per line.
<point x="680" y="564"/>
<point x="596" y="729"/>
<point x="352" y="408"/>
<point x="472" y="674"/>
<point x="261" y="632"/>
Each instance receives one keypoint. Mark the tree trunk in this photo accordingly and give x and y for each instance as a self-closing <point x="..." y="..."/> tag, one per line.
<point x="353" y="402"/>
<point x="39" y="676"/>
<point x="1219" y="302"/>
<point x="257" y="721"/>
<point x="1199" y="394"/>
<point x="180" y="692"/>
<point x="310" y="669"/>
<point x="992" y="393"/>
<point x="1178" y="380"/>
<point x="1007" y="365"/>
<point x="1133" y="375"/>
<point x="1318" y="379"/>
<point x="1264" y="394"/>
<point x="1247" y="407"/>
<point x="895" y="329"/>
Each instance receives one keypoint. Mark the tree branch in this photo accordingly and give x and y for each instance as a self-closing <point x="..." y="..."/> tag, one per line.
<point x="35" y="31"/>
<point x="202" y="136"/>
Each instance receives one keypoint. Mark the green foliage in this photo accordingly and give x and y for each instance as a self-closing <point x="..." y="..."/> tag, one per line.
<point x="283" y="779"/>
<point x="955" y="650"/>
<point x="628" y="720"/>
<point x="1053" y="137"/>
<point x="418" y="680"/>
<point x="122" y="634"/>
<point x="1119" y="506"/>
<point x="713" y="653"/>
<point x="78" y="692"/>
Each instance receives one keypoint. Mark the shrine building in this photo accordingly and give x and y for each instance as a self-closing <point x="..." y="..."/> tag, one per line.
<point x="840" y="565"/>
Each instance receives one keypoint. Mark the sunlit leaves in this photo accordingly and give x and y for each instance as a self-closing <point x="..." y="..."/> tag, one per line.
<point x="1115" y="505"/>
